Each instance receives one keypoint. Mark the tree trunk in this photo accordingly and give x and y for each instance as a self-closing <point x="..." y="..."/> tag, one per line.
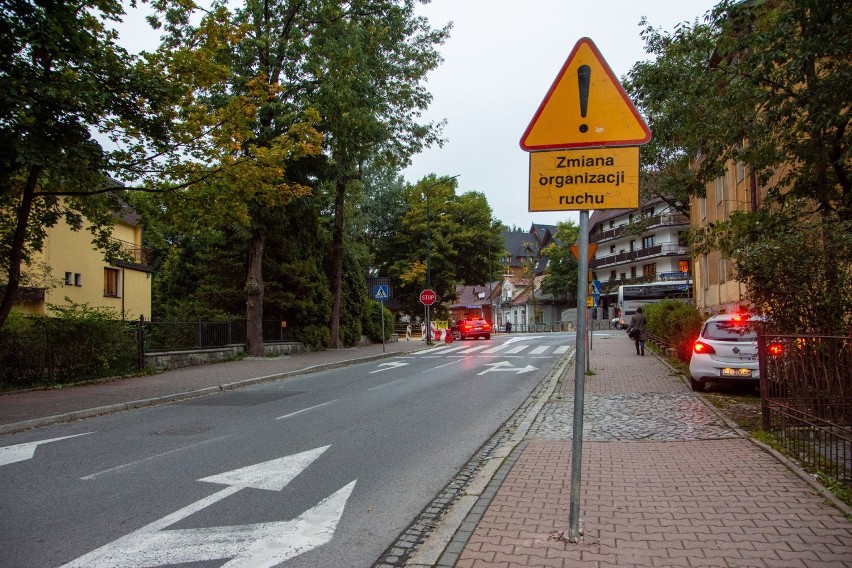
<point x="16" y="253"/>
<point x="337" y="263"/>
<point x="254" y="297"/>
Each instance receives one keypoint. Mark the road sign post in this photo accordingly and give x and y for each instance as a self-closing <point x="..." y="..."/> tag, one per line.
<point x="583" y="142"/>
<point x="380" y="293"/>
<point x="427" y="298"/>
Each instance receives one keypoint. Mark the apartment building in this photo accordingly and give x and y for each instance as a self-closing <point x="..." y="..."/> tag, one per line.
<point x="647" y="244"/>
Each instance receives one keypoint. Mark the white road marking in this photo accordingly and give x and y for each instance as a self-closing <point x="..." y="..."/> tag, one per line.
<point x="143" y="460"/>
<point x="441" y="350"/>
<point x="260" y="545"/>
<point x="539" y="350"/>
<point x="472" y="349"/>
<point x="517" y="349"/>
<point x="23" y="452"/>
<point x="507" y="367"/>
<point x="561" y="349"/>
<point x="389" y="365"/>
<point x="306" y="409"/>
<point x="498" y="348"/>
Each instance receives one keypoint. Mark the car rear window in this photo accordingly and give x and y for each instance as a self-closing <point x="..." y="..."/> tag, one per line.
<point x="731" y="331"/>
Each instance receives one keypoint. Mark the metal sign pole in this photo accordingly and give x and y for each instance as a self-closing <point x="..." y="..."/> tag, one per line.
<point x="382" y="304"/>
<point x="579" y="378"/>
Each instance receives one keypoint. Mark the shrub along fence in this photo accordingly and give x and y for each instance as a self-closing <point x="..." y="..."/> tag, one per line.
<point x="42" y="351"/>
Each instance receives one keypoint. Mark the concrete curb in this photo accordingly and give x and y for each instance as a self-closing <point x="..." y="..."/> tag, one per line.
<point x="462" y="512"/>
<point x="175" y="397"/>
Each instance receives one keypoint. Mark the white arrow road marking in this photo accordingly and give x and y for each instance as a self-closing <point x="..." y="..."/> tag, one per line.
<point x="23" y="452"/>
<point x="506" y="366"/>
<point x="389" y="365"/>
<point x="260" y="545"/>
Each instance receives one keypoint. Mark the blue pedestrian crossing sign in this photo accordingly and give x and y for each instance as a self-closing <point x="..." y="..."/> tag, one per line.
<point x="380" y="292"/>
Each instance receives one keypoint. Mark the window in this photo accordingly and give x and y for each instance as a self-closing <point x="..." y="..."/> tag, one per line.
<point x="612" y="275"/>
<point x="649" y="269"/>
<point x="633" y="272"/>
<point x="612" y="224"/>
<point x="648" y="242"/>
<point x="78" y="279"/>
<point x="69" y="279"/>
<point x="702" y="205"/>
<point x="632" y="246"/>
<point x="648" y="212"/>
<point x="683" y="265"/>
<point x="612" y="249"/>
<point x="111" y="282"/>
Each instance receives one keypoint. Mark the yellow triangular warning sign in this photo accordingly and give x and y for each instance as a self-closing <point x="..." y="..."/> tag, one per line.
<point x="586" y="107"/>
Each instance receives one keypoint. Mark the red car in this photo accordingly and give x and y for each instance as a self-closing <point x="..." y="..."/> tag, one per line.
<point x="471" y="328"/>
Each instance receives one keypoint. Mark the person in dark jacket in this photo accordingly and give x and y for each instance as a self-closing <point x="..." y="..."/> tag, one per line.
<point x="637" y="330"/>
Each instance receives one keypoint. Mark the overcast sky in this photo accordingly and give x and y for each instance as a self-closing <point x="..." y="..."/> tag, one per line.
<point x="499" y="62"/>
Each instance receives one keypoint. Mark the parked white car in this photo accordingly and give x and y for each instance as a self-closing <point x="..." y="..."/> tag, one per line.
<point x="725" y="352"/>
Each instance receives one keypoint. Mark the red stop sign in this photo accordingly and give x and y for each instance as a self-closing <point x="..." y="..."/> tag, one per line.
<point x="427" y="297"/>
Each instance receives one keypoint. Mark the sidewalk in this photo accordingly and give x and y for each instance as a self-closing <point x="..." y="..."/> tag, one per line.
<point x="666" y="481"/>
<point x="30" y="409"/>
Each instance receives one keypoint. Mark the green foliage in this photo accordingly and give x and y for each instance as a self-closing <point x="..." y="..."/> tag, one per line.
<point x="83" y="343"/>
<point x="373" y="321"/>
<point x="464" y="243"/>
<point x="560" y="276"/>
<point x="315" y="336"/>
<point x="774" y="79"/>
<point x="797" y="268"/>
<point x="677" y="323"/>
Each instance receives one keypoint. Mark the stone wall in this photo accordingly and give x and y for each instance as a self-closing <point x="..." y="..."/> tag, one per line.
<point x="188" y="358"/>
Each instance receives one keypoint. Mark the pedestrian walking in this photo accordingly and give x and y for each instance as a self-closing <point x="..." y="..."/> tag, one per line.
<point x="637" y="330"/>
<point x="408" y="332"/>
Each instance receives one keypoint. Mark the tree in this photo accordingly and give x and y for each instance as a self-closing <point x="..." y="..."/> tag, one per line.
<point x="764" y="84"/>
<point x="63" y="78"/>
<point x="461" y="233"/>
<point x="369" y="59"/>
<point x="560" y="276"/>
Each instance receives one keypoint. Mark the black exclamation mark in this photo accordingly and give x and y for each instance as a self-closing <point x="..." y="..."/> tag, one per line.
<point x="584" y="78"/>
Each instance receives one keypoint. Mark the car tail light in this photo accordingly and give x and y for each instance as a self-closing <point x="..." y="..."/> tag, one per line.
<point x="775" y="348"/>
<point x="702" y="348"/>
<point x="486" y="326"/>
<point x="467" y="327"/>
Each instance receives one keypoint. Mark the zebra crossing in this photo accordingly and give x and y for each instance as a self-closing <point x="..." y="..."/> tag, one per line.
<point x="491" y="349"/>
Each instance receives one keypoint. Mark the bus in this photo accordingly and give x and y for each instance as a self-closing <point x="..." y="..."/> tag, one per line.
<point x="631" y="296"/>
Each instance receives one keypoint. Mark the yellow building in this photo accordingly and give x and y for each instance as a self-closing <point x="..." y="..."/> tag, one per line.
<point x="716" y="290"/>
<point x="79" y="273"/>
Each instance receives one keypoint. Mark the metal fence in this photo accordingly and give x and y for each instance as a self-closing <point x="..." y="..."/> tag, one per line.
<point x="181" y="335"/>
<point x="806" y="397"/>
<point x="55" y="351"/>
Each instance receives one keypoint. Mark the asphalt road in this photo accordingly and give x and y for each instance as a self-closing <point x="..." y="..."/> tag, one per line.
<point x="318" y="470"/>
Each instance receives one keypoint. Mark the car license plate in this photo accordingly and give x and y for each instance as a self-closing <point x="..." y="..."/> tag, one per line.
<point x="736" y="372"/>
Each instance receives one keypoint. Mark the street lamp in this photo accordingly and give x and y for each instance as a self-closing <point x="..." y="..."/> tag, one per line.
<point x="429" y="254"/>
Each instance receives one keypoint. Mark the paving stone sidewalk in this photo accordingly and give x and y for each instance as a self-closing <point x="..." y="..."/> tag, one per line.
<point x="666" y="481"/>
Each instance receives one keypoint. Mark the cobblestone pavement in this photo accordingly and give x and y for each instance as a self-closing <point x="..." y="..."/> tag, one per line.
<point x="665" y="482"/>
<point x="665" y="417"/>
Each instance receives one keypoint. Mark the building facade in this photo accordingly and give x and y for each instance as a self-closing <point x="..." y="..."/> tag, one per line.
<point x="77" y="272"/>
<point x="635" y="246"/>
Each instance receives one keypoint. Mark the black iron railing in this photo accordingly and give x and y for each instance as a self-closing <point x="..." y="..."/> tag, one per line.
<point x="806" y="397"/>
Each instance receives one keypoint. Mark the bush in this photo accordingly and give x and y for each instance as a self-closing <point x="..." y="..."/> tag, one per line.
<point x="82" y="343"/>
<point x="676" y="323"/>
<point x="372" y="323"/>
<point x="314" y="336"/>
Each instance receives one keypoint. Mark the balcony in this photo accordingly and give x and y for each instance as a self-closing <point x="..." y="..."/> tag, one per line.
<point x="640" y="254"/>
<point x="647" y="222"/>
<point x="611" y="286"/>
<point x="131" y="255"/>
